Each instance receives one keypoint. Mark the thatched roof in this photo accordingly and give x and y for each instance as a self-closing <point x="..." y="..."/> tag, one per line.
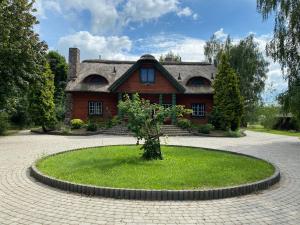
<point x="112" y="70"/>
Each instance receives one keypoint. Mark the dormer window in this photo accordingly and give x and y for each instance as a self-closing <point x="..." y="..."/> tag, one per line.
<point x="198" y="81"/>
<point x="95" y="79"/>
<point x="147" y="75"/>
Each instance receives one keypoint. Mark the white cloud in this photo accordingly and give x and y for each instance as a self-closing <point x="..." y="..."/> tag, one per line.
<point x="185" y="12"/>
<point x="140" y="10"/>
<point x="111" y="16"/>
<point x="220" y="34"/>
<point x="92" y="46"/>
<point x="190" y="49"/>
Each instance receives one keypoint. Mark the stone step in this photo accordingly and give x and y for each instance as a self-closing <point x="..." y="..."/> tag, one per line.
<point x="169" y="130"/>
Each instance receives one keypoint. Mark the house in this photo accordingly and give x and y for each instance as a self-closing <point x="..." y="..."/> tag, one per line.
<point x="95" y="86"/>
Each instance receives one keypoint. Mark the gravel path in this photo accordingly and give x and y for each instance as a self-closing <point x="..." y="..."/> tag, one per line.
<point x="25" y="201"/>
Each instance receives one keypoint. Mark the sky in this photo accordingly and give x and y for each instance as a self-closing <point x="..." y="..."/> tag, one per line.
<point x="127" y="29"/>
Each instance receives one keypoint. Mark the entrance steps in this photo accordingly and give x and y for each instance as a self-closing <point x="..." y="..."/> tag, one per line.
<point x="169" y="130"/>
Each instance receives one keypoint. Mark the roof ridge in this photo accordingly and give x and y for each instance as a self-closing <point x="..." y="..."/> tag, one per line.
<point x="132" y="62"/>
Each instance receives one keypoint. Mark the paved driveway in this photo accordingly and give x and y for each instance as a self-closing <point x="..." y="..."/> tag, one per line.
<point x="25" y="201"/>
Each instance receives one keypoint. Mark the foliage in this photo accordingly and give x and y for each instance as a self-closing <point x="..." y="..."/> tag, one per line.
<point x="20" y="113"/>
<point x="286" y="123"/>
<point x="113" y="122"/>
<point x="76" y="123"/>
<point x="249" y="64"/>
<point x="59" y="68"/>
<point x="144" y="120"/>
<point x="236" y="133"/>
<point x="267" y="115"/>
<point x="216" y="119"/>
<point x="252" y="68"/>
<point x="22" y="54"/>
<point x="91" y="126"/>
<point x="260" y="128"/>
<point x="227" y="99"/>
<point x="170" y="57"/>
<point x="185" y="168"/>
<point x="42" y="107"/>
<point x="184" y="123"/>
<point x="205" y="128"/>
<point x="3" y="122"/>
<point x="285" y="46"/>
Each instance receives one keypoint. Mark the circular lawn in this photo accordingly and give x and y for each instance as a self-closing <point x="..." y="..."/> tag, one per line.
<point x="183" y="168"/>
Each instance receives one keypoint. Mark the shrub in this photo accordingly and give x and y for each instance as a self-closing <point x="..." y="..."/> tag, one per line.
<point x="205" y="128"/>
<point x="92" y="127"/>
<point x="215" y="118"/>
<point x="236" y="133"/>
<point x="65" y="130"/>
<point x="3" y="122"/>
<point x="113" y="122"/>
<point x="76" y="123"/>
<point x="184" y="123"/>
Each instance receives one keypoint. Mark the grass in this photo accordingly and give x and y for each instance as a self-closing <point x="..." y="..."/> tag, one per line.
<point x="260" y="128"/>
<point x="182" y="168"/>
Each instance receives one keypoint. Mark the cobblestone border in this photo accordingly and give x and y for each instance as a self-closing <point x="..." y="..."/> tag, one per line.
<point x="157" y="195"/>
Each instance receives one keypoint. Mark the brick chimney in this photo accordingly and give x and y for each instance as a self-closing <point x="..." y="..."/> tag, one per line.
<point x="74" y="63"/>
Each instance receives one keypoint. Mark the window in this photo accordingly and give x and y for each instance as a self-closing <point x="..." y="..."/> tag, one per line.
<point x="147" y="75"/>
<point x="198" y="110"/>
<point x="197" y="82"/>
<point x="95" y="108"/>
<point x="95" y="79"/>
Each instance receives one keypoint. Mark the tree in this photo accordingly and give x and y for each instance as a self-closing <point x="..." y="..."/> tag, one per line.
<point x="170" y="57"/>
<point x="22" y="54"/>
<point x="251" y="67"/>
<point x="42" y="105"/>
<point x="285" y="44"/>
<point x="144" y="120"/>
<point x="228" y="103"/>
<point x="249" y="64"/>
<point x="59" y="68"/>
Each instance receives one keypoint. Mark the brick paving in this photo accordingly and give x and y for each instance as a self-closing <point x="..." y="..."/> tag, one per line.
<point x="25" y="201"/>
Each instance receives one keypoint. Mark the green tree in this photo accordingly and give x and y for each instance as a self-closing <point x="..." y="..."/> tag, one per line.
<point x="59" y="68"/>
<point x="252" y="68"/>
<point x="249" y="64"/>
<point x="42" y="105"/>
<point x="144" y="120"/>
<point x="22" y="54"/>
<point x="170" y="57"/>
<point x="285" y="45"/>
<point x="228" y="102"/>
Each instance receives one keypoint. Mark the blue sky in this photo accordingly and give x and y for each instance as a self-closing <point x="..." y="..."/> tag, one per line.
<point x="126" y="29"/>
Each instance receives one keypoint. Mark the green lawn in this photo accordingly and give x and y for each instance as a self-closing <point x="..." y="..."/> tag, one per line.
<point x="260" y="128"/>
<point x="182" y="168"/>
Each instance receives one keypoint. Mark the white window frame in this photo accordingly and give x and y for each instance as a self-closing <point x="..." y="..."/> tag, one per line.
<point x="95" y="108"/>
<point x="198" y="110"/>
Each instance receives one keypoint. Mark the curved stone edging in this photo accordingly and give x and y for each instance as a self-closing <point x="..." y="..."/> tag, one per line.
<point x="158" y="195"/>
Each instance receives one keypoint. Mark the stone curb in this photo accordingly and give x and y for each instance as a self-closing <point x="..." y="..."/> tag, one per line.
<point x="158" y="195"/>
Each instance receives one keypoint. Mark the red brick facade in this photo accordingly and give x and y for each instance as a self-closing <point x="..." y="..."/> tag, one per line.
<point x="133" y="85"/>
<point x="167" y="88"/>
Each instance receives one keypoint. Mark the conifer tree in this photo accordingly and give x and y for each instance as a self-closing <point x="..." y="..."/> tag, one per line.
<point x="42" y="100"/>
<point x="228" y="103"/>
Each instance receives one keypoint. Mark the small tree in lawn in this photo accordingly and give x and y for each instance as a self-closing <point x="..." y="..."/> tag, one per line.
<point x="42" y="100"/>
<point x="144" y="120"/>
<point x="228" y="103"/>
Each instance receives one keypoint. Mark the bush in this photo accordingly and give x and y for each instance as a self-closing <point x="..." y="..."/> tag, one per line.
<point x="184" y="123"/>
<point x="76" y="123"/>
<point x="236" y="133"/>
<point x="3" y="122"/>
<point x="286" y="123"/>
<point x="215" y="118"/>
<point x="205" y="128"/>
<point x="92" y="127"/>
<point x="113" y="122"/>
